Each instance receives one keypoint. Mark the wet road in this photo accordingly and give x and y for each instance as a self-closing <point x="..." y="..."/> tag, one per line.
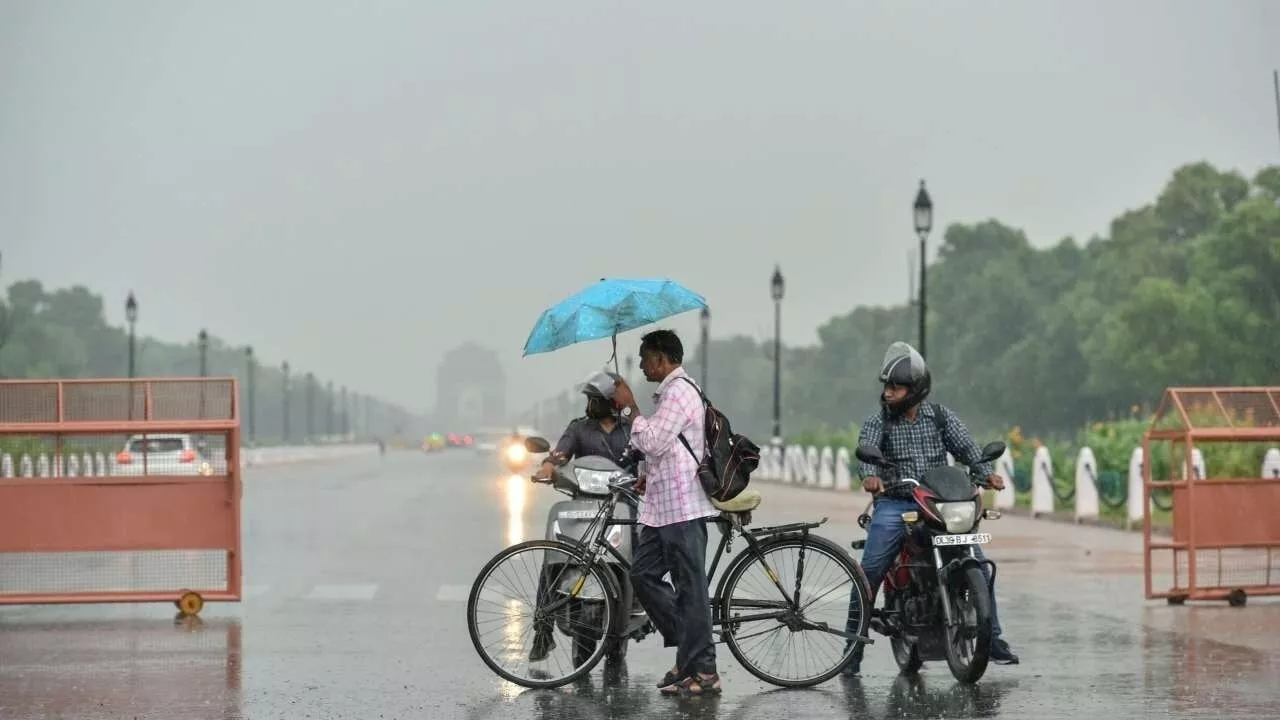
<point x="356" y="577"/>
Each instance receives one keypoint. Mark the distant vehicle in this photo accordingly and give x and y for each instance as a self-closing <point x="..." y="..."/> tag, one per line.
<point x="433" y="442"/>
<point x="457" y="440"/>
<point x="162" y="454"/>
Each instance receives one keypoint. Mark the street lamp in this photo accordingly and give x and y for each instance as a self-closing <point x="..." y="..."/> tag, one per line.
<point x="923" y="213"/>
<point x="250" y="372"/>
<point x="311" y="406"/>
<point x="328" y="411"/>
<point x="706" y="341"/>
<point x="777" y="286"/>
<point x="131" y="314"/>
<point x="204" y="364"/>
<point x="203" y="339"/>
<point x="346" y="415"/>
<point x="284" y="368"/>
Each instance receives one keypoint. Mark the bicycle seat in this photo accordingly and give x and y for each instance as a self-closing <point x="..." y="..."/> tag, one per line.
<point x="745" y="501"/>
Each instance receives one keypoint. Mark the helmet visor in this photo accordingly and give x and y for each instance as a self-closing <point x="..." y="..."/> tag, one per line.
<point x="902" y="365"/>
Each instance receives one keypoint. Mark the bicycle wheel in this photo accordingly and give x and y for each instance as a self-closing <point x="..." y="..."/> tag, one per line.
<point x="749" y="589"/>
<point x="572" y="601"/>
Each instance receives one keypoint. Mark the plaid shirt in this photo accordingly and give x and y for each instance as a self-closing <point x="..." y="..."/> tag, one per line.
<point x="916" y="447"/>
<point x="672" y="491"/>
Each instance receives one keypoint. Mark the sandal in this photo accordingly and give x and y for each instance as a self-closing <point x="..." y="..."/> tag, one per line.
<point x="695" y="684"/>
<point x="671" y="678"/>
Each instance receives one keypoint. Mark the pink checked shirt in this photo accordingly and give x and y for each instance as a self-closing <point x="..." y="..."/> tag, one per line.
<point x="672" y="491"/>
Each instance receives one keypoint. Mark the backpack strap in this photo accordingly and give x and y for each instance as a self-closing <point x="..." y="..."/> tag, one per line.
<point x="939" y="422"/>
<point x="684" y="441"/>
<point x="939" y="418"/>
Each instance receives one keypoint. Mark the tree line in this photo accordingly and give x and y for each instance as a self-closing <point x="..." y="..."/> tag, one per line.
<point x="63" y="333"/>
<point x="1184" y="290"/>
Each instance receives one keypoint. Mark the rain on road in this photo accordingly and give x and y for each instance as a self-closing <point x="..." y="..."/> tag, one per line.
<point x="356" y="574"/>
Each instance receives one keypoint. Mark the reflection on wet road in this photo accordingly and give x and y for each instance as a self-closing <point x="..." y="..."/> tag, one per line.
<point x="356" y="581"/>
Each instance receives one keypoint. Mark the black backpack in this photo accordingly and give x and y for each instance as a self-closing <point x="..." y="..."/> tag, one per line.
<point x="731" y="458"/>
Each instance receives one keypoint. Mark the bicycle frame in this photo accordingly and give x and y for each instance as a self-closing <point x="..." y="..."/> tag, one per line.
<point x="784" y="610"/>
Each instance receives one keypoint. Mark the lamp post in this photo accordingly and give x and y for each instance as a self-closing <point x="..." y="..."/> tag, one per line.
<point x="250" y="374"/>
<point x="311" y="406"/>
<point x="203" y="339"/>
<point x="284" y="402"/>
<point x="706" y="342"/>
<point x="346" y="415"/>
<point x="777" y="287"/>
<point x="923" y="214"/>
<point x="328" y="410"/>
<point x="131" y="315"/>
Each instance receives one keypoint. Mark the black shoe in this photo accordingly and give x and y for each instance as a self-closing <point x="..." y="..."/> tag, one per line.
<point x="1001" y="653"/>
<point x="543" y="643"/>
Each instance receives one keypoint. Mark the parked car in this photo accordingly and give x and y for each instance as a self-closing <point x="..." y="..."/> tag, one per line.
<point x="162" y="454"/>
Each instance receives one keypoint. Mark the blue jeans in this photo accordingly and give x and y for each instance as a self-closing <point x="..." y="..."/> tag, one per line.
<point x="885" y="537"/>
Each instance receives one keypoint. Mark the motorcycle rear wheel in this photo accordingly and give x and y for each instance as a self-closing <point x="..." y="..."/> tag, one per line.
<point x="969" y="664"/>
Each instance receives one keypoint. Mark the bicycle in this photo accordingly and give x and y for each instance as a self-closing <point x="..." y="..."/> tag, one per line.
<point x="587" y="586"/>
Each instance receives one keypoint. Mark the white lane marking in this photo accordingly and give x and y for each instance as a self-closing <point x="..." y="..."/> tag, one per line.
<point x="453" y="593"/>
<point x="249" y="591"/>
<point x="342" y="592"/>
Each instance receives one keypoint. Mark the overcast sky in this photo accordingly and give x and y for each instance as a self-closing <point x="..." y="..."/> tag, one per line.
<point x="360" y="186"/>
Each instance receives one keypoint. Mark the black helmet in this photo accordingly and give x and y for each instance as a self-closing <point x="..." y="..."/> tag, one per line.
<point x="903" y="366"/>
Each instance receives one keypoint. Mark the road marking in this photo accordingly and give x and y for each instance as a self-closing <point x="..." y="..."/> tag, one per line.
<point x="342" y="592"/>
<point x="453" y="593"/>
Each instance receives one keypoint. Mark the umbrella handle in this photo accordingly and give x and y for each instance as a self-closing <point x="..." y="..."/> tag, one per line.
<point x="615" y="351"/>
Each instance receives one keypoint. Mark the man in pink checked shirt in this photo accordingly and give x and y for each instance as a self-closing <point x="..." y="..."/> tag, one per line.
<point x="672" y="518"/>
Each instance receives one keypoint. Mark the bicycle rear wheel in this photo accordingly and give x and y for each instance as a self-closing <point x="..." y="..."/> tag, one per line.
<point x="570" y="611"/>
<point x="823" y="611"/>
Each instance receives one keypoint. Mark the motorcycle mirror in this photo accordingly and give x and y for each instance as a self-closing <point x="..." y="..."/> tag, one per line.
<point x="869" y="454"/>
<point x="535" y="444"/>
<point x="992" y="451"/>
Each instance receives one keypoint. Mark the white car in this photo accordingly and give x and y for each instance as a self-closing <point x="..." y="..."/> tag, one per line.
<point x="161" y="454"/>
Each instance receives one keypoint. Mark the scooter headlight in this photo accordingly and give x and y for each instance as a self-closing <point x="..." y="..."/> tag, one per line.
<point x="516" y="453"/>
<point x="959" y="517"/>
<point x="594" y="482"/>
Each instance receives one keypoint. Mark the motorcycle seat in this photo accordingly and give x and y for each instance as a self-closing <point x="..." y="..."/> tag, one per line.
<point x="745" y="501"/>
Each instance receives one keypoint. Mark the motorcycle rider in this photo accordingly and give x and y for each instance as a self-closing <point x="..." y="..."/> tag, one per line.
<point x="915" y="436"/>
<point x="603" y="432"/>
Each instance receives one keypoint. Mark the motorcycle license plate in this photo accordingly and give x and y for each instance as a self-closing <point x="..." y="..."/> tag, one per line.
<point x="974" y="539"/>
<point x="577" y="514"/>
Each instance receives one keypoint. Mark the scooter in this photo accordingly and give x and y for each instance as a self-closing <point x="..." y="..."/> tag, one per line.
<point x="586" y="481"/>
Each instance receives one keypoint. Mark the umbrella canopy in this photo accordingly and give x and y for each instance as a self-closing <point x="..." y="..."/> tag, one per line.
<point x="607" y="308"/>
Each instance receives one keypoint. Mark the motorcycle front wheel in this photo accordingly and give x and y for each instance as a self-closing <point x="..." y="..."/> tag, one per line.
<point x="968" y="643"/>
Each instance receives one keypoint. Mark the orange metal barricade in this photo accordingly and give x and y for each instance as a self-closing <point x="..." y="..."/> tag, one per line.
<point x="161" y="520"/>
<point x="1226" y="543"/>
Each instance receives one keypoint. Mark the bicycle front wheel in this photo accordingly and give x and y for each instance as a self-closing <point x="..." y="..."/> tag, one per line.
<point x="808" y="637"/>
<point x="552" y="636"/>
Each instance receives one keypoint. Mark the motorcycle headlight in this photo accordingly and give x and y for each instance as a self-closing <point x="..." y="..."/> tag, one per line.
<point x="595" y="482"/>
<point x="516" y="453"/>
<point x="959" y="517"/>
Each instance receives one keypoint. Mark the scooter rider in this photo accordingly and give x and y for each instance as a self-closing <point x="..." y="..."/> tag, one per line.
<point x="601" y="432"/>
<point x="916" y="436"/>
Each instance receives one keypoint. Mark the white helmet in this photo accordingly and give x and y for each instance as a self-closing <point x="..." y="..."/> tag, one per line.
<point x="598" y="384"/>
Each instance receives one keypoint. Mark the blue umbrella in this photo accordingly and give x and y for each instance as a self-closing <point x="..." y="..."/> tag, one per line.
<point x="608" y="308"/>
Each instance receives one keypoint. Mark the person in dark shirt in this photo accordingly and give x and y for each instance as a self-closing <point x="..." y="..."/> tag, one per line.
<point x="601" y="432"/>
<point x="916" y="436"/>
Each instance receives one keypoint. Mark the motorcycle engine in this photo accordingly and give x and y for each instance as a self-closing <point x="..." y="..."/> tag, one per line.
<point x="915" y="611"/>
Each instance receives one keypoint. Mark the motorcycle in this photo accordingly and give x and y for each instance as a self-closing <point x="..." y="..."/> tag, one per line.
<point x="937" y="602"/>
<point x="586" y="481"/>
<point x="515" y="455"/>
